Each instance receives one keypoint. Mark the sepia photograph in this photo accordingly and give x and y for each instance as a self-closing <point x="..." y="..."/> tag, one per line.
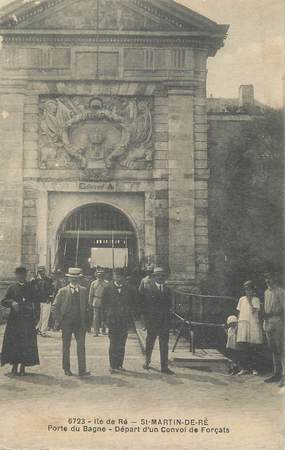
<point x="142" y="296"/>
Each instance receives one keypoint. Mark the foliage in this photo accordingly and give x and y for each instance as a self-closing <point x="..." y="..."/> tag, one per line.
<point x="252" y="210"/>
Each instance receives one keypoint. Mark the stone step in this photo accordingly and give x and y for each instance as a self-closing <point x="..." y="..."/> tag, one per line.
<point x="210" y="360"/>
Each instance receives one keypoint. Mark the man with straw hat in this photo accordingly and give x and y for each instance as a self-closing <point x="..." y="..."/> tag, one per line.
<point x="73" y="315"/>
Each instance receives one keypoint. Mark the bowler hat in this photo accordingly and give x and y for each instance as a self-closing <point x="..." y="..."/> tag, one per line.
<point x="119" y="271"/>
<point x="74" y="272"/>
<point x="21" y="270"/>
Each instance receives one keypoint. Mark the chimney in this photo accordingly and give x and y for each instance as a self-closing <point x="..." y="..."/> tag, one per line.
<point x="246" y="95"/>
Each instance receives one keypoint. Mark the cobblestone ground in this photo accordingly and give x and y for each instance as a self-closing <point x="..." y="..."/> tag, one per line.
<point x="249" y="408"/>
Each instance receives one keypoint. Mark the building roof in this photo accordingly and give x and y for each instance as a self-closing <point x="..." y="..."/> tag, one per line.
<point x="165" y="16"/>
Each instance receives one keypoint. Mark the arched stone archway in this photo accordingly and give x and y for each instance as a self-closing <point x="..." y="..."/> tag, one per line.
<point x="96" y="234"/>
<point x="61" y="205"/>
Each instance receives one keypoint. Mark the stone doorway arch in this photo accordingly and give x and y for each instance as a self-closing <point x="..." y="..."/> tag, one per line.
<point x="96" y="234"/>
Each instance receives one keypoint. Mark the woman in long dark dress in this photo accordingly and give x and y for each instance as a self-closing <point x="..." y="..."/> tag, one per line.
<point x="20" y="338"/>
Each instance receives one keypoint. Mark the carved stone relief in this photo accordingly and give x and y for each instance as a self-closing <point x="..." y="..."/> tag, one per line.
<point x="95" y="133"/>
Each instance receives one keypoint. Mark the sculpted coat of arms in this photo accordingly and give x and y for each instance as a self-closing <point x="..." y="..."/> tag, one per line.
<point x="96" y="133"/>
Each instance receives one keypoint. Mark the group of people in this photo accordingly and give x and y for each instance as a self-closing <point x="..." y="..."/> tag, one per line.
<point x="246" y="330"/>
<point x="108" y="304"/>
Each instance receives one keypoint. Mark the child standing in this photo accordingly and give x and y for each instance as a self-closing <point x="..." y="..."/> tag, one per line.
<point x="249" y="332"/>
<point x="232" y="350"/>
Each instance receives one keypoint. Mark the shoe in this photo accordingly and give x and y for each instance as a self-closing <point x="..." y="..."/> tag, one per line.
<point x="255" y="373"/>
<point x="22" y="372"/>
<point x="96" y="335"/>
<point x="113" y="371"/>
<point x="274" y="379"/>
<point x="121" y="369"/>
<point x="84" y="374"/>
<point x="68" y="373"/>
<point x="14" y="372"/>
<point x="146" y="366"/>
<point x="243" y="372"/>
<point x="167" y="371"/>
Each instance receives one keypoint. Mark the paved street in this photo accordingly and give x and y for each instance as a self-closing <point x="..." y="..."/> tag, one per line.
<point x="249" y="408"/>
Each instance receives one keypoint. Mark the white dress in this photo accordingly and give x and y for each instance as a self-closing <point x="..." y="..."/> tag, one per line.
<point x="249" y="327"/>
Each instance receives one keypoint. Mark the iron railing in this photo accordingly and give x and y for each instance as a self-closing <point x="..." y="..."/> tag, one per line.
<point x="200" y="318"/>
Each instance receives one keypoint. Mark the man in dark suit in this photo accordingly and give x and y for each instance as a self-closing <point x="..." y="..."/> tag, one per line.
<point x="157" y="305"/>
<point x="73" y="315"/>
<point x="117" y="302"/>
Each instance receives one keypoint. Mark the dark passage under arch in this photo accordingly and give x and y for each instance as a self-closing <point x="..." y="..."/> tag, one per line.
<point x="96" y="234"/>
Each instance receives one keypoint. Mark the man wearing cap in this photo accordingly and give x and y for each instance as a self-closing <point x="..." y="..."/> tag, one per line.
<point x="117" y="304"/>
<point x="157" y="303"/>
<point x="95" y="299"/>
<point x="144" y="281"/>
<point x="147" y="278"/>
<point x="274" y="308"/>
<point x="20" y="339"/>
<point x="43" y="285"/>
<point x="73" y="315"/>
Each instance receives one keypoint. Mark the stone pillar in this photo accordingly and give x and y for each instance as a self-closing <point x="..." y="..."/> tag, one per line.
<point x="181" y="183"/>
<point x="11" y="184"/>
<point x="149" y="228"/>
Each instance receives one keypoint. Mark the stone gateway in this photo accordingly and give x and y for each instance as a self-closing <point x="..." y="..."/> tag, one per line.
<point x="103" y="130"/>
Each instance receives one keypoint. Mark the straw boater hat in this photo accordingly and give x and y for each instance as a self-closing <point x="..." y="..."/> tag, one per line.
<point x="74" y="272"/>
<point x="100" y="272"/>
<point x="158" y="270"/>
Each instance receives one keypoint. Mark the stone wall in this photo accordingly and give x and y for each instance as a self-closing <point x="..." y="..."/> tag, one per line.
<point x="11" y="180"/>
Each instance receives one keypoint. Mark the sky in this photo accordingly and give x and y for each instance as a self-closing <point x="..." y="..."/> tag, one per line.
<point x="254" y="51"/>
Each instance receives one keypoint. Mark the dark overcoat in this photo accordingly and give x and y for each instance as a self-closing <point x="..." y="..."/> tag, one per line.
<point x="20" y="338"/>
<point x="156" y="306"/>
<point x="117" y="305"/>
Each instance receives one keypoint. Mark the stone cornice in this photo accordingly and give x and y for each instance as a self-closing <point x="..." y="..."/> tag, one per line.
<point x="193" y="40"/>
<point x="181" y="87"/>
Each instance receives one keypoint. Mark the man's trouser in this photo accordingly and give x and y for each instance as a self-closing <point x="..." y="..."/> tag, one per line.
<point x="118" y="337"/>
<point x="44" y="317"/>
<point x="163" y="336"/>
<point x="275" y="337"/>
<point x="67" y="331"/>
<point x="98" y="319"/>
